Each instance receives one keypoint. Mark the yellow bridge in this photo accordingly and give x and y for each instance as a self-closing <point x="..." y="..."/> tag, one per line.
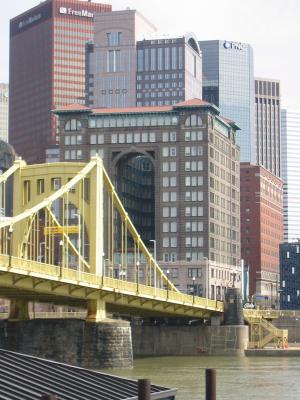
<point x="70" y="241"/>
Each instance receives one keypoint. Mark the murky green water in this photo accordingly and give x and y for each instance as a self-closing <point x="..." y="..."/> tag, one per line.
<point x="237" y="378"/>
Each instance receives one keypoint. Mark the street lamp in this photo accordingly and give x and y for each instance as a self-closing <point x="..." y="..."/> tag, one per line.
<point x="154" y="256"/>
<point x="40" y="251"/>
<point x="137" y="275"/>
<point x="61" y="245"/>
<point x="168" y="272"/>
<point x="10" y="231"/>
<point x="194" y="289"/>
<point x="79" y="239"/>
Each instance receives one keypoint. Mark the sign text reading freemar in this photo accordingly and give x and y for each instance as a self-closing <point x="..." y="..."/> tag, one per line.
<point x="75" y="13"/>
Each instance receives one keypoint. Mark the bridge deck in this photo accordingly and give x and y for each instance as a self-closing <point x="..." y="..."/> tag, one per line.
<point x="35" y="281"/>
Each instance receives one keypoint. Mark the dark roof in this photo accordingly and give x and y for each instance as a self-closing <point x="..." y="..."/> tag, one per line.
<point x="24" y="377"/>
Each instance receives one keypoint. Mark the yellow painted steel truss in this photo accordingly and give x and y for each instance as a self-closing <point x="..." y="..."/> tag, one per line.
<point x="262" y="332"/>
<point x="54" y="246"/>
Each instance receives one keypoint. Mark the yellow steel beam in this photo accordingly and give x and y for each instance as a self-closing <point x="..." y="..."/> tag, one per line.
<point x="74" y="285"/>
<point x="49" y="200"/>
<point x="134" y="232"/>
<point x="59" y="230"/>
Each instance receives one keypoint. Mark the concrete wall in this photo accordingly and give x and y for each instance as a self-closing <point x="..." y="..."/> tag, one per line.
<point x="92" y="345"/>
<point x="293" y="326"/>
<point x="188" y="340"/>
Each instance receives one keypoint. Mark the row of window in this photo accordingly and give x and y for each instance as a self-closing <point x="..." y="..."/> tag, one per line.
<point x="145" y="137"/>
<point x="120" y="122"/>
<point x="124" y="122"/>
<point x="190" y="241"/>
<point x="163" y="77"/>
<point x="146" y="95"/>
<point x="159" y="85"/>
<point x="152" y="59"/>
<point x="157" y="103"/>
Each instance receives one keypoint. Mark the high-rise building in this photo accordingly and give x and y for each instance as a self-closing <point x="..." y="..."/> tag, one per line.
<point x="111" y="58"/>
<point x="228" y="82"/>
<point x="261" y="229"/>
<point x="47" y="69"/>
<point x="169" y="70"/>
<point x="124" y="69"/>
<point x="290" y="276"/>
<point x="4" y="112"/>
<point x="176" y="169"/>
<point x="290" y="173"/>
<point x="267" y="124"/>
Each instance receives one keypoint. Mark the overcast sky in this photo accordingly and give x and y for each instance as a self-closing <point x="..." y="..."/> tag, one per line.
<point x="272" y="27"/>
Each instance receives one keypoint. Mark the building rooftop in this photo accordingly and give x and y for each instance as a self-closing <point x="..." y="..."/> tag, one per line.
<point x="193" y="103"/>
<point x="26" y="377"/>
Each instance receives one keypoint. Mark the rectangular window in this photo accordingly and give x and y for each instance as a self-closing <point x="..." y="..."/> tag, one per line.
<point x="140" y="60"/>
<point x="174" y="57"/>
<point x="113" y="61"/>
<point x="153" y="59"/>
<point x="40" y="186"/>
<point x="173" y="242"/>
<point x="166" y="212"/>
<point x="172" y="151"/>
<point x="173" y="181"/>
<point x="114" y="38"/>
<point x="167" y="58"/>
<point x="160" y="59"/>
<point x="55" y="183"/>
<point x="26" y="192"/>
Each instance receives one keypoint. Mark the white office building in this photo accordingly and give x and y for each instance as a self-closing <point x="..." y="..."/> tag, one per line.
<point x="290" y="171"/>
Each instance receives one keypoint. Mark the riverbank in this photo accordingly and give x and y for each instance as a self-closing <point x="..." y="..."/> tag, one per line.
<point x="289" y="352"/>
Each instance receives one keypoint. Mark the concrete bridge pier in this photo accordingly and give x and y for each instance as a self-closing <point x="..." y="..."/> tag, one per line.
<point x="19" y="309"/>
<point x="96" y="310"/>
<point x="97" y="342"/>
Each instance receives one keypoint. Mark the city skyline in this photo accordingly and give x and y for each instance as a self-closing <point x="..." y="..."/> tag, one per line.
<point x="280" y="21"/>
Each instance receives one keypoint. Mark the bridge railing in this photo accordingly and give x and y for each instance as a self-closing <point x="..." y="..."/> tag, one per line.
<point x="105" y="283"/>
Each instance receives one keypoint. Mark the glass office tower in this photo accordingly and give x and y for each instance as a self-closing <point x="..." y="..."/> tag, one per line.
<point x="228" y="82"/>
<point x="290" y="173"/>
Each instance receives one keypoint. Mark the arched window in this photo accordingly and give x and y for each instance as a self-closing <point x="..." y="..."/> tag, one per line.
<point x="193" y="120"/>
<point x="73" y="125"/>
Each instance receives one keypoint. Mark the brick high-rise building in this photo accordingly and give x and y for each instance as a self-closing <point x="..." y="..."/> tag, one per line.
<point x="47" y="69"/>
<point x="261" y="229"/>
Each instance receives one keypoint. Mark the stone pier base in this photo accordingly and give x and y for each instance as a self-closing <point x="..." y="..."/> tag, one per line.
<point x="228" y="340"/>
<point x="165" y="340"/>
<point x="105" y="344"/>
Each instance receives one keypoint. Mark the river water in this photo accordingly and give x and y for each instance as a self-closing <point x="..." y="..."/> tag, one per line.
<point x="238" y="378"/>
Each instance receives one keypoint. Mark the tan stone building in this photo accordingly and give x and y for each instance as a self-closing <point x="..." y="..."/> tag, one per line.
<point x="176" y="169"/>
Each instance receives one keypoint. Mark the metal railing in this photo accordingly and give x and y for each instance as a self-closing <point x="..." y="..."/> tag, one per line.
<point x="57" y="273"/>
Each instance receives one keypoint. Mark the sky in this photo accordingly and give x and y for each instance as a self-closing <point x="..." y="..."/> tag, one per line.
<point x="272" y="27"/>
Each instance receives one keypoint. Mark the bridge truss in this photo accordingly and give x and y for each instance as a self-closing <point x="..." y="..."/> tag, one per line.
<point x="70" y="241"/>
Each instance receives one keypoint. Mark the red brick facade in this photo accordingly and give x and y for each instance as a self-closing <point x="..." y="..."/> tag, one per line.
<point x="261" y="228"/>
<point x="47" y="70"/>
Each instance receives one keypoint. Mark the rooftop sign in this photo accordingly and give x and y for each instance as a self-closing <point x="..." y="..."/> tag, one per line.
<point x="233" y="45"/>
<point x="75" y="13"/>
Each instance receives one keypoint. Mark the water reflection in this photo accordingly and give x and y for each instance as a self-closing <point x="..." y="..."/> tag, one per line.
<point x="237" y="378"/>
